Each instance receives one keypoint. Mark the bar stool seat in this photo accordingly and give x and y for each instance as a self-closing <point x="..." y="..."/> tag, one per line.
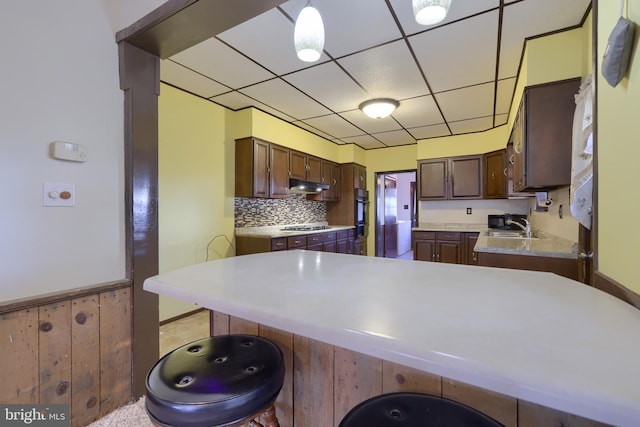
<point x="218" y="381"/>
<point x="414" y="410"/>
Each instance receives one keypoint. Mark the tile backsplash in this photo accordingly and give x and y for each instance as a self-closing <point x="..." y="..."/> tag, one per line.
<point x="295" y="209"/>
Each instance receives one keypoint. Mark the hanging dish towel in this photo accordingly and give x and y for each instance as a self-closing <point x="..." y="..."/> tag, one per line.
<point x="581" y="199"/>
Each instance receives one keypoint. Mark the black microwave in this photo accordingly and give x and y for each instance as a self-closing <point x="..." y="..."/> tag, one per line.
<point x="500" y="221"/>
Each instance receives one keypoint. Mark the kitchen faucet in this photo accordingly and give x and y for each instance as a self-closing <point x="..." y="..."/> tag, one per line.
<point x="526" y="228"/>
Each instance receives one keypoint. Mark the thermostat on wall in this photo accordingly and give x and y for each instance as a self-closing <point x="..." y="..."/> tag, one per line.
<point x="68" y="151"/>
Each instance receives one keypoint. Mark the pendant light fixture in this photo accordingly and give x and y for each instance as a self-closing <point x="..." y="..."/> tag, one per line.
<point x="379" y="108"/>
<point x="308" y="34"/>
<point x="429" y="12"/>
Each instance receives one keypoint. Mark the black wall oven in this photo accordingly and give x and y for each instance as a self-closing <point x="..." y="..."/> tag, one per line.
<point x="361" y="210"/>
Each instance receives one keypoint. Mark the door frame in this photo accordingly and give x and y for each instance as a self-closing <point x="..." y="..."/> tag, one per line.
<point x="379" y="189"/>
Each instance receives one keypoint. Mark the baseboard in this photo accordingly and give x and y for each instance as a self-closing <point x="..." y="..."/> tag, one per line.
<point x="610" y="286"/>
<point x="181" y="316"/>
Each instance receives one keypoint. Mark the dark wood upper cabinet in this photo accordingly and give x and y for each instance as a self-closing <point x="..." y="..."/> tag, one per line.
<point x="450" y="178"/>
<point x="305" y="166"/>
<point x="542" y="135"/>
<point x="495" y="175"/>
<point x="262" y="169"/>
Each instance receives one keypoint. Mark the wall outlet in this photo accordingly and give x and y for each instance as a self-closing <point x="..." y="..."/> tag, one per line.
<point x="469" y="211"/>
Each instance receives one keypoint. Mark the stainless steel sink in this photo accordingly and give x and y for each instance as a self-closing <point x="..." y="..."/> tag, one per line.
<point x="517" y="234"/>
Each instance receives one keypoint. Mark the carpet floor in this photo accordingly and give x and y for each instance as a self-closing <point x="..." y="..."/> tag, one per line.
<point x="132" y="415"/>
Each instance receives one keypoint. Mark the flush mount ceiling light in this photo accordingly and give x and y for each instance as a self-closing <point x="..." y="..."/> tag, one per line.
<point x="429" y="12"/>
<point x="379" y="108"/>
<point x="308" y="34"/>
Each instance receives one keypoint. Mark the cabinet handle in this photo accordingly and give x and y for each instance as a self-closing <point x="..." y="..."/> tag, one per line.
<point x="433" y="257"/>
<point x="505" y="172"/>
<point x="511" y="159"/>
<point x="475" y="256"/>
<point x="493" y="175"/>
<point x="334" y="181"/>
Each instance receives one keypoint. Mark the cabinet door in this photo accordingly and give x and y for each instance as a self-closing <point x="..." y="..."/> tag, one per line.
<point x="314" y="169"/>
<point x="449" y="252"/>
<point x="432" y="179"/>
<point x="495" y="175"/>
<point x="298" y="164"/>
<point x="466" y="177"/>
<point x="330" y="176"/>
<point x="342" y="246"/>
<point x="471" y="257"/>
<point x="424" y="250"/>
<point x="518" y="149"/>
<point x="359" y="177"/>
<point x="260" y="168"/>
<point x="329" y="247"/>
<point x="335" y="181"/>
<point x="278" y="171"/>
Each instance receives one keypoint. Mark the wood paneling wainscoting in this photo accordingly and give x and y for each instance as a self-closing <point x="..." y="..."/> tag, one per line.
<point x="323" y="382"/>
<point x="72" y="348"/>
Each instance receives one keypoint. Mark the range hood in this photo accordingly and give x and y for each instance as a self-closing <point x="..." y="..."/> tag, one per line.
<point x="297" y="186"/>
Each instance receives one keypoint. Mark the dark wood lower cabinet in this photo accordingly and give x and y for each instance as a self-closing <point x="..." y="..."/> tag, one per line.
<point x="440" y="246"/>
<point x="562" y="266"/>
<point x="341" y="241"/>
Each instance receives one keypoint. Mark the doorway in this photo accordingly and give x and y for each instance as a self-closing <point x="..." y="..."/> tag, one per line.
<point x="395" y="213"/>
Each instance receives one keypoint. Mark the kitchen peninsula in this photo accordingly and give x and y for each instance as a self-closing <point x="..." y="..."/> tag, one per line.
<point x="527" y="336"/>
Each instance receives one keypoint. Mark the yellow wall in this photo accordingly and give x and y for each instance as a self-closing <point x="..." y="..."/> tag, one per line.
<point x="194" y="199"/>
<point x="618" y="154"/>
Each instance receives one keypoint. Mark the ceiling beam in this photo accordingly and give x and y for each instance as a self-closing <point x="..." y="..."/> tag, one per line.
<point x="179" y="24"/>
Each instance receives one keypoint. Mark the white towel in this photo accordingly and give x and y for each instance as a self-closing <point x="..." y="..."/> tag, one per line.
<point x="581" y="193"/>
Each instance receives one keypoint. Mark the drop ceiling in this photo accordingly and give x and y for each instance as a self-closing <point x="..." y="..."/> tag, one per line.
<point x="456" y="77"/>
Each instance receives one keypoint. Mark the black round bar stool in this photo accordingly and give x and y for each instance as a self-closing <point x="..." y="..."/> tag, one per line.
<point x="227" y="380"/>
<point x="414" y="410"/>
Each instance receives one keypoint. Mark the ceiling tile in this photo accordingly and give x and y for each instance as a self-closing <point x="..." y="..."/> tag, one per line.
<point x="364" y="141"/>
<point x="501" y="119"/>
<point x="272" y="48"/>
<point x="473" y="125"/>
<point x="254" y="64"/>
<point x="459" y="10"/>
<point x="217" y="61"/>
<point x="334" y="125"/>
<point x="281" y="96"/>
<point x="469" y="102"/>
<point x="330" y="86"/>
<point x="350" y="26"/>
<point x="447" y="55"/>
<point x="387" y="71"/>
<point x="434" y="131"/>
<point x="417" y="112"/>
<point x="395" y="138"/>
<point x="189" y="80"/>
<point x="238" y="101"/>
<point x="368" y="124"/>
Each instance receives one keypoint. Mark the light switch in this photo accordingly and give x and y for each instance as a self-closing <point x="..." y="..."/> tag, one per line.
<point x="58" y="194"/>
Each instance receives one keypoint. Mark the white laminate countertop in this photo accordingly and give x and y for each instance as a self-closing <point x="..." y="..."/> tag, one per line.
<point x="531" y="335"/>
<point x="544" y="245"/>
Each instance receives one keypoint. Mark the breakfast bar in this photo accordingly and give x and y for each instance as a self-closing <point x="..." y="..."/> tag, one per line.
<point x="532" y="336"/>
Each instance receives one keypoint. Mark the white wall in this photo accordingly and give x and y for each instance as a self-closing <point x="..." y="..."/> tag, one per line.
<point x="59" y="81"/>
